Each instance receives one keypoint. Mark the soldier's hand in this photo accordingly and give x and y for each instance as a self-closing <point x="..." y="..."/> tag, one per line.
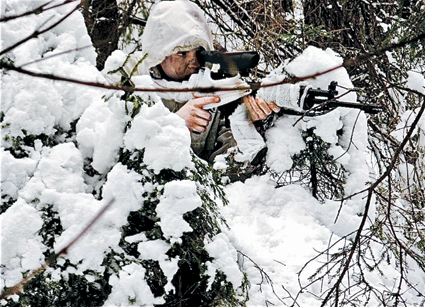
<point x="258" y="108"/>
<point x="196" y="118"/>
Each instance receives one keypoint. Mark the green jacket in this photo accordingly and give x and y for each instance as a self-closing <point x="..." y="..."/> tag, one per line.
<point x="217" y="138"/>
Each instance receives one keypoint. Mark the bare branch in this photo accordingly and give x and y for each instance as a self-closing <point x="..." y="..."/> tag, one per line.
<point x="371" y="189"/>
<point x="36" y="33"/>
<point x="55" y="55"/>
<point x="37" y="10"/>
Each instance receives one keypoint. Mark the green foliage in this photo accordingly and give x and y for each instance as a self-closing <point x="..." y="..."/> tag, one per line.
<point x="6" y="61"/>
<point x="51" y="228"/>
<point x="190" y="281"/>
<point x="407" y="27"/>
<point x="6" y="202"/>
<point x="223" y="292"/>
<point x="69" y="289"/>
<point x="132" y="31"/>
<point x="20" y="146"/>
<point x="302" y="33"/>
<point x="73" y="290"/>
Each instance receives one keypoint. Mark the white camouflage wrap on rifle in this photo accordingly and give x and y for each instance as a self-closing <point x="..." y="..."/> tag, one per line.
<point x="284" y="95"/>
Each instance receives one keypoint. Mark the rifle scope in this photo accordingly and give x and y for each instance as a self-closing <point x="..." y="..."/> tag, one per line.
<point x="229" y="64"/>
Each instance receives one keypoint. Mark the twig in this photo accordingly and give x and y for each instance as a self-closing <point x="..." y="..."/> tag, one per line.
<point x="396" y="155"/>
<point x="37" y="10"/>
<point x="55" y="55"/>
<point x="263" y="274"/>
<point x="36" y="33"/>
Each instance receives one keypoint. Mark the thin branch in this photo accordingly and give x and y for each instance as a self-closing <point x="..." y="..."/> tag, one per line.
<point x="263" y="273"/>
<point x="36" y="33"/>
<point x="396" y="155"/>
<point x="64" y="250"/>
<point x="55" y="55"/>
<point x="37" y="10"/>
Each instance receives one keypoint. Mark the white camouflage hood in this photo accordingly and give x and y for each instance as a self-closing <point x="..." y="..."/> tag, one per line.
<point x="173" y="26"/>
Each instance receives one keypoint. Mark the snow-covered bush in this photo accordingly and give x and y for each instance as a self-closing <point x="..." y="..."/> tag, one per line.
<point x="69" y="149"/>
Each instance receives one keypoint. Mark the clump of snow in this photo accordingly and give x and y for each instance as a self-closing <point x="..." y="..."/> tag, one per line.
<point x="12" y="182"/>
<point x="416" y="81"/>
<point x="113" y="62"/>
<point x="61" y="169"/>
<point x="100" y="132"/>
<point x="403" y="127"/>
<point x="125" y="187"/>
<point x="130" y="284"/>
<point x="156" y="250"/>
<point x="179" y="197"/>
<point x="39" y="117"/>
<point x="224" y="254"/>
<point x="163" y="135"/>
<point x="282" y="146"/>
<point x="76" y="212"/>
<point x="21" y="247"/>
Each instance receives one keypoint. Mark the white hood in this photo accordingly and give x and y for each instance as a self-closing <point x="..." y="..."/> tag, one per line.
<point x="173" y="26"/>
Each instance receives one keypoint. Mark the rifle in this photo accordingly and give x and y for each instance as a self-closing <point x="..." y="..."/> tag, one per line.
<point x="316" y="102"/>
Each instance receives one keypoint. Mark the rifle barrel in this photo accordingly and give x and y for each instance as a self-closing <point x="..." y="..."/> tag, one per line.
<point x="333" y="104"/>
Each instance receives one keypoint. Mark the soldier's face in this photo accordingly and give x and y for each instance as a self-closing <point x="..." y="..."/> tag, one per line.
<point x="181" y="65"/>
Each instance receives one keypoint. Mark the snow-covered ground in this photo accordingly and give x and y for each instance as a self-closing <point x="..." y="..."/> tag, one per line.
<point x="273" y="233"/>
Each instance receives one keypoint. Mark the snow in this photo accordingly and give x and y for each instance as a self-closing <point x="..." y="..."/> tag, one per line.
<point x="165" y="137"/>
<point x="100" y="132"/>
<point x="278" y="230"/>
<point x="416" y="81"/>
<point x="14" y="181"/>
<point x="131" y="284"/>
<point x="179" y="197"/>
<point x="272" y="232"/>
<point x="285" y="144"/>
<point x="224" y="254"/>
<point x="21" y="250"/>
<point x="156" y="250"/>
